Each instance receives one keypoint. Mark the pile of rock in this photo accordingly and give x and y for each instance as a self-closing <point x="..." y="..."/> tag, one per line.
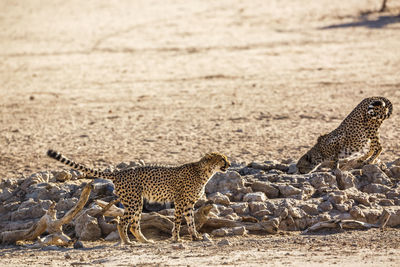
<point x="259" y="197"/>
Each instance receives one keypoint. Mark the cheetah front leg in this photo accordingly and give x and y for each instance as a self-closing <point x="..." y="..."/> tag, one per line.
<point x="189" y="216"/>
<point x="177" y="222"/>
<point x="374" y="151"/>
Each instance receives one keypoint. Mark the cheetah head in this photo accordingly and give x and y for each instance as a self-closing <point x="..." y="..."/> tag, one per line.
<point x="218" y="161"/>
<point x="309" y="161"/>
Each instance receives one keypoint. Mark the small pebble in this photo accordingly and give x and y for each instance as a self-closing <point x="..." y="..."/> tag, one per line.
<point x="207" y="238"/>
<point x="78" y="245"/>
<point x="178" y="246"/>
<point x="224" y="242"/>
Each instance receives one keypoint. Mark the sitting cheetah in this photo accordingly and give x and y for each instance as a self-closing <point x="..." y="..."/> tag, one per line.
<point x="358" y="132"/>
<point x="183" y="185"/>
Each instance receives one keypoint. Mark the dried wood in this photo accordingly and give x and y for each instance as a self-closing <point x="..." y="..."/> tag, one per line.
<point x="350" y="224"/>
<point x="49" y="223"/>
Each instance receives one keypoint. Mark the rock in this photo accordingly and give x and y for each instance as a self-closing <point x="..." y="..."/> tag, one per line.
<point x="248" y="171"/>
<point x="325" y="206"/>
<point x="32" y="212"/>
<point x="226" y="211"/>
<point x="269" y="190"/>
<point x="288" y="190"/>
<point x="307" y="191"/>
<point x="323" y="180"/>
<point x="393" y="193"/>
<point x="230" y="181"/>
<point x="5" y="194"/>
<point x="206" y="237"/>
<point x="358" y="196"/>
<point x="357" y="213"/>
<point x="375" y="188"/>
<point x="375" y="175"/>
<point x="372" y="215"/>
<point x="62" y="176"/>
<point x="344" y="207"/>
<point x="269" y="165"/>
<point x="386" y="202"/>
<point x="27" y="204"/>
<point x="113" y="236"/>
<point x="241" y="230"/>
<point x="66" y="204"/>
<point x="178" y="246"/>
<point x="220" y="232"/>
<point x="75" y="174"/>
<point x="102" y="187"/>
<point x="122" y="165"/>
<point x="224" y="242"/>
<point x="296" y="212"/>
<point x="78" y="245"/>
<point x="87" y="227"/>
<point x="310" y="209"/>
<point x="271" y="206"/>
<point x="252" y="197"/>
<point x="250" y="219"/>
<point x="337" y="197"/>
<point x="345" y="180"/>
<point x="394" y="172"/>
<point x="256" y="206"/>
<point x="292" y="168"/>
<point x="396" y="162"/>
<point x="240" y="208"/>
<point x="262" y="213"/>
<point x="219" y="198"/>
<point x="232" y="217"/>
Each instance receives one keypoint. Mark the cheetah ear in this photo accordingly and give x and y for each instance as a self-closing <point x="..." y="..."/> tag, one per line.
<point x="208" y="156"/>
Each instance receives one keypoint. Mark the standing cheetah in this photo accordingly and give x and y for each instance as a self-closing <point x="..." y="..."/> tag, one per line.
<point x="357" y="134"/>
<point x="183" y="185"/>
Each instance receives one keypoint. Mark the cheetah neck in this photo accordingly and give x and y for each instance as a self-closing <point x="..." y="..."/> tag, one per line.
<point x="206" y="171"/>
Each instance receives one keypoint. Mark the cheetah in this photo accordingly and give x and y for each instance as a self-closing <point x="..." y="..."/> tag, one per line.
<point x="183" y="185"/>
<point x="358" y="134"/>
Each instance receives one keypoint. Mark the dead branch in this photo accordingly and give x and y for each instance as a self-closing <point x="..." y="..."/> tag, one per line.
<point x="270" y="226"/>
<point x="49" y="223"/>
<point x="350" y="224"/>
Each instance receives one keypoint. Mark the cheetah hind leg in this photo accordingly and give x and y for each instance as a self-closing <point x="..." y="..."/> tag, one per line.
<point x="189" y="216"/>
<point x="135" y="229"/>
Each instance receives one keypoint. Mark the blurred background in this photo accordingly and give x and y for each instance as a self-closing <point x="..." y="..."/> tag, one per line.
<point x="167" y="81"/>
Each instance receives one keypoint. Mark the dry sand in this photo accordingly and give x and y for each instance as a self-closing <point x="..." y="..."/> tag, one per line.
<point x="167" y="81"/>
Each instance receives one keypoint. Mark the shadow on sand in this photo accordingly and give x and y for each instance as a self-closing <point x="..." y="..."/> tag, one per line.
<point x="364" y="21"/>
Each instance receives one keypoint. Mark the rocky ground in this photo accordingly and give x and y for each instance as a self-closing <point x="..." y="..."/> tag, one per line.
<point x="167" y="82"/>
<point x="261" y="206"/>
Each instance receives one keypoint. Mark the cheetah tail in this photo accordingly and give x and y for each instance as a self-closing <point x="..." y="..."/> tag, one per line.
<point x="87" y="171"/>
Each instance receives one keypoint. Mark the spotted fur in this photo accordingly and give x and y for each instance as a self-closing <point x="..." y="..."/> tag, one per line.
<point x="357" y="135"/>
<point x="183" y="185"/>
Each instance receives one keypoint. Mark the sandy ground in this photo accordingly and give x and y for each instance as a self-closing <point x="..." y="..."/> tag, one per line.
<point x="167" y="81"/>
<point x="358" y="248"/>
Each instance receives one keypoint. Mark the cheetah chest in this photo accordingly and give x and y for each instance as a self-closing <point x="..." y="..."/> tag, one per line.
<point x="353" y="151"/>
